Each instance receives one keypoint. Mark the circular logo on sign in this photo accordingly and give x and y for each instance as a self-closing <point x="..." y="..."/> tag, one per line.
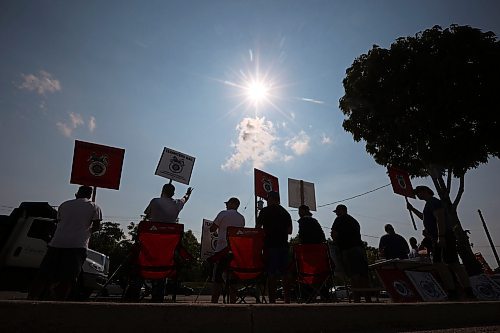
<point x="98" y="164"/>
<point x="97" y="168"/>
<point x="402" y="288"/>
<point x="176" y="165"/>
<point x="429" y="288"/>
<point x="268" y="185"/>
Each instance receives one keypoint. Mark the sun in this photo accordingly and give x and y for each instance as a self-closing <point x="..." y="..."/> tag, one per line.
<point x="257" y="92"/>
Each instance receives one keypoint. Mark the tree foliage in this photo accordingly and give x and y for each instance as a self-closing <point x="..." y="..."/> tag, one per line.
<point x="428" y="100"/>
<point x="429" y="105"/>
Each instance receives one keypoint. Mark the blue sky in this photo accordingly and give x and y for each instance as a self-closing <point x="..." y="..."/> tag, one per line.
<point x="152" y="74"/>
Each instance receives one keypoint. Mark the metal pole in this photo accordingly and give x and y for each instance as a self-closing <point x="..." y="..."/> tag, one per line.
<point x="301" y="192"/>
<point x="489" y="238"/>
<point x="411" y="215"/>
<point x="94" y="193"/>
<point x="256" y="210"/>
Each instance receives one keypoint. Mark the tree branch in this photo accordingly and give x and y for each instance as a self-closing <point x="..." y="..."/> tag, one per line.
<point x="448" y="181"/>
<point x="460" y="192"/>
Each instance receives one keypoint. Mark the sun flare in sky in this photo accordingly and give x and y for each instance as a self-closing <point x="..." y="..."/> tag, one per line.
<point x="257" y="92"/>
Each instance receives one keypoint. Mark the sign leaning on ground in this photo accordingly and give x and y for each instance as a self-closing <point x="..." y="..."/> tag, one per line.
<point x="301" y="193"/>
<point x="97" y="165"/>
<point x="208" y="240"/>
<point x="175" y="165"/>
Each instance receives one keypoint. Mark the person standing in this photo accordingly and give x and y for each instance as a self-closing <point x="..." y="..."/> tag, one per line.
<point x="444" y="244"/>
<point x="226" y="218"/>
<point x="277" y="225"/>
<point x="414" y="248"/>
<point x="67" y="251"/>
<point x="346" y="235"/>
<point x="164" y="209"/>
<point x="310" y="231"/>
<point x="392" y="245"/>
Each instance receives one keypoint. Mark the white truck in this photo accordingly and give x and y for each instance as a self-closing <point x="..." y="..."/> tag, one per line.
<point x="24" y="235"/>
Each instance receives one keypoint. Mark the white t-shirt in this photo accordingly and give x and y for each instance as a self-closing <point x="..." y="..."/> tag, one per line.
<point x="227" y="218"/>
<point x="75" y="223"/>
<point x="164" y="209"/>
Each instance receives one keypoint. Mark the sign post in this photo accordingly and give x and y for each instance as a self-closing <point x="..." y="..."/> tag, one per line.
<point x="96" y="165"/>
<point x="401" y="185"/>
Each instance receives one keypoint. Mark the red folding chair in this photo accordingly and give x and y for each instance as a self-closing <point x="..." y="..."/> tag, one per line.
<point x="247" y="261"/>
<point x="158" y="243"/>
<point x="314" y="271"/>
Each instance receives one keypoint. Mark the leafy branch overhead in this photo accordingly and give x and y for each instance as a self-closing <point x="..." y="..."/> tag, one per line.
<point x="430" y="99"/>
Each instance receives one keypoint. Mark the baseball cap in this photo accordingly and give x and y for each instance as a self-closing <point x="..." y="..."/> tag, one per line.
<point x="340" y="208"/>
<point x="233" y="200"/>
<point x="423" y="188"/>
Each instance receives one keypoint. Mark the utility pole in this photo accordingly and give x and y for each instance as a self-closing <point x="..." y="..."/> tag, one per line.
<point x="489" y="238"/>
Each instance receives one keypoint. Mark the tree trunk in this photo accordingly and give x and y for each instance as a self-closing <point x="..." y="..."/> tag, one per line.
<point x="472" y="266"/>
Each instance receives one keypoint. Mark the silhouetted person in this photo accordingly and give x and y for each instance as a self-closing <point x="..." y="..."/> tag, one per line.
<point x="164" y="209"/>
<point x="413" y="248"/>
<point x="67" y="251"/>
<point x="443" y="241"/>
<point x="277" y="224"/>
<point x="346" y="235"/>
<point x="310" y="231"/>
<point x="392" y="245"/>
<point x="226" y="218"/>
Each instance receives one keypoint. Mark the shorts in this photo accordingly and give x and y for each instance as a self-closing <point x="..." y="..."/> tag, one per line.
<point x="354" y="261"/>
<point x="447" y="254"/>
<point x="276" y="260"/>
<point x="62" y="264"/>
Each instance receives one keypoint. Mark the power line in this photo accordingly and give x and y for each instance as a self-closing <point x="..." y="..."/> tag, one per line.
<point x="356" y="196"/>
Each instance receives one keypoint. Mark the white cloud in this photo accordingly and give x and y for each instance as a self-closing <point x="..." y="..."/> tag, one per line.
<point x="75" y="121"/>
<point x="299" y="144"/>
<point x="92" y="124"/>
<point x="65" y="129"/>
<point x="310" y="100"/>
<point x="42" y="83"/>
<point x="256" y="143"/>
<point x="325" y="139"/>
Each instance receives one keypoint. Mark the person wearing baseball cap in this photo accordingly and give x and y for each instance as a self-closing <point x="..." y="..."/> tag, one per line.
<point x="444" y="243"/>
<point x="226" y="218"/>
<point x="310" y="231"/>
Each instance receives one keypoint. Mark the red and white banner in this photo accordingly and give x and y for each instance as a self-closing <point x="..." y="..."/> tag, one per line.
<point x="398" y="285"/>
<point x="401" y="183"/>
<point x="264" y="183"/>
<point x="97" y="165"/>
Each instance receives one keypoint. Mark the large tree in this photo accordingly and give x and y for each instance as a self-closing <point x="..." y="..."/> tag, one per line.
<point x="429" y="104"/>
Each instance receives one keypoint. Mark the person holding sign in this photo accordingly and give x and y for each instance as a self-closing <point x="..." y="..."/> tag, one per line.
<point x="226" y="218"/>
<point x="443" y="241"/>
<point x="164" y="209"/>
<point x="67" y="251"/>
